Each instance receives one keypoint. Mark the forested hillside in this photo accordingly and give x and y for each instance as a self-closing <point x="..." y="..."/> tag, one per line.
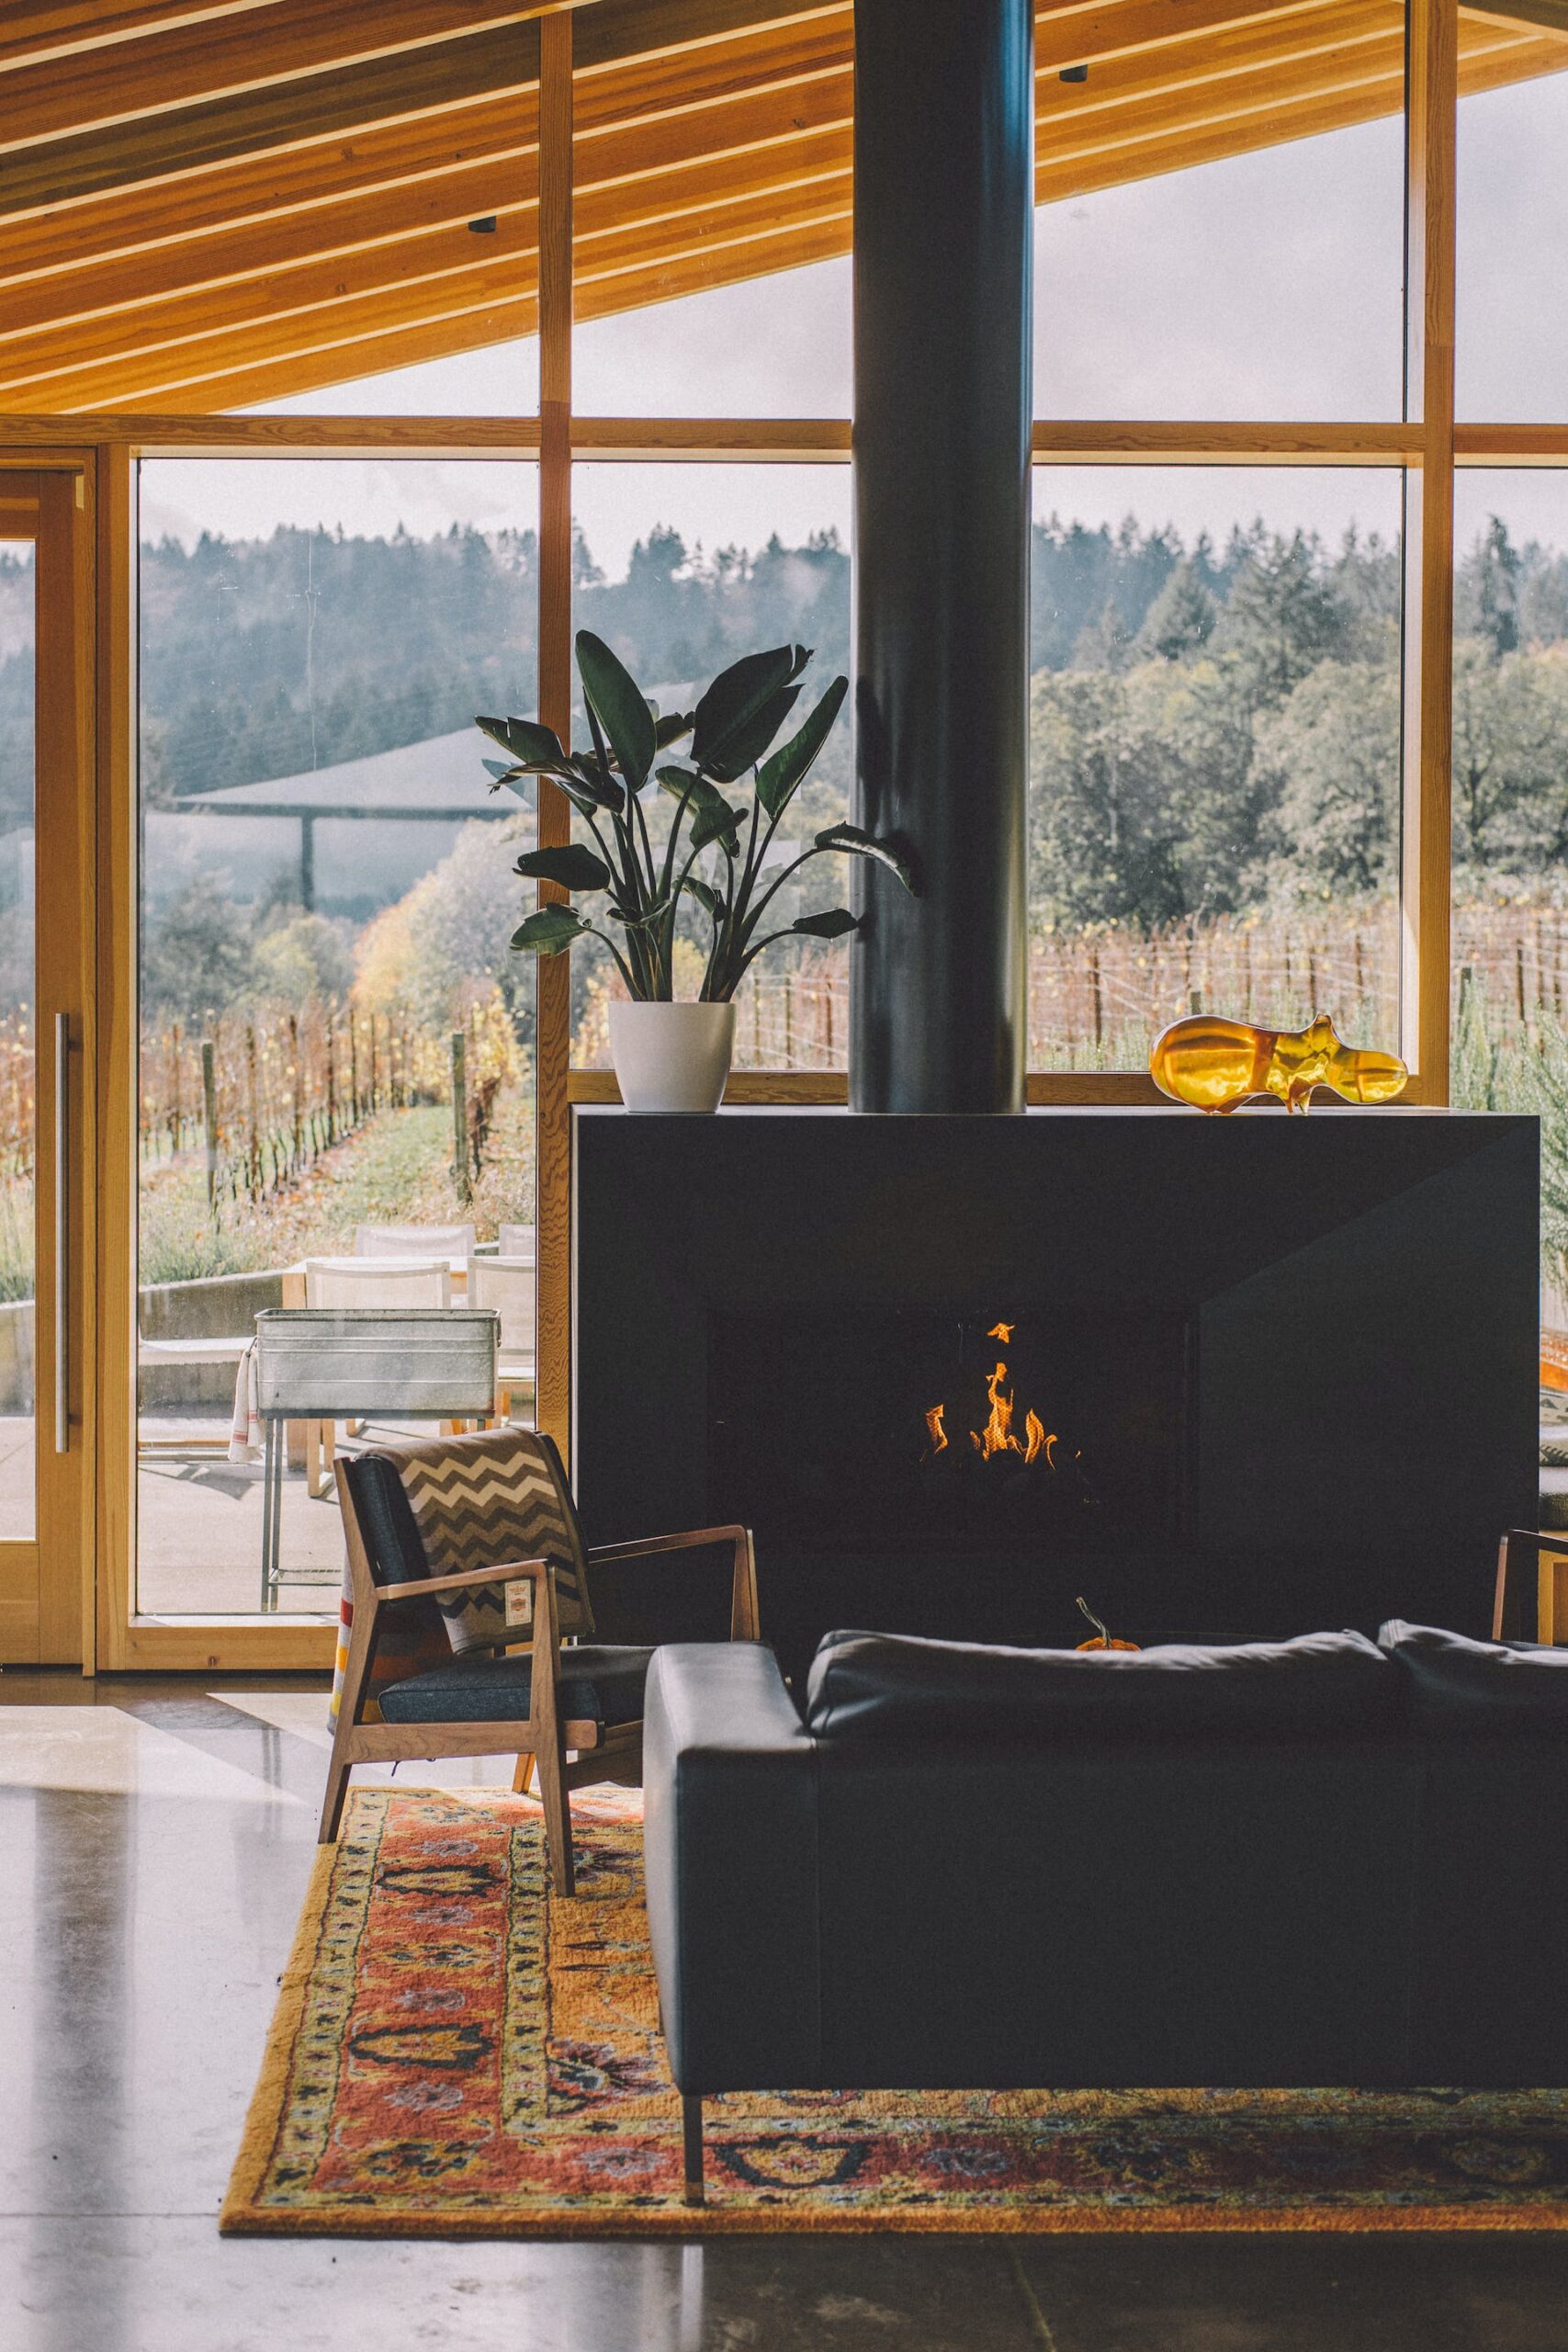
<point x="1212" y="727"/>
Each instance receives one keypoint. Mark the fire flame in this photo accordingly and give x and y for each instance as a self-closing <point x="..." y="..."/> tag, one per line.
<point x="999" y="1435"/>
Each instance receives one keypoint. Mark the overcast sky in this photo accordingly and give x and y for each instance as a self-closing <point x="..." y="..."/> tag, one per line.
<point x="1266" y="286"/>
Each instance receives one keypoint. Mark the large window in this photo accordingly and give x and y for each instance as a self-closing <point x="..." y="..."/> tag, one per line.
<point x="682" y="569"/>
<point x="1214" y="754"/>
<point x="335" y="1037"/>
<point x="1265" y="285"/>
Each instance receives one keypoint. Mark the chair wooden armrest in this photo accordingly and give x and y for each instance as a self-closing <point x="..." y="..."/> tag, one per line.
<point x="744" y="1622"/>
<point x="1539" y="1540"/>
<point x="471" y="1580"/>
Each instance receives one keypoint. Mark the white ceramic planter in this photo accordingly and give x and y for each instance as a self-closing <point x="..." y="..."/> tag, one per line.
<point x="672" y="1056"/>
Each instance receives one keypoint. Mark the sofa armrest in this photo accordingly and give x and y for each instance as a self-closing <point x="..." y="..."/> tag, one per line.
<point x="729" y="1842"/>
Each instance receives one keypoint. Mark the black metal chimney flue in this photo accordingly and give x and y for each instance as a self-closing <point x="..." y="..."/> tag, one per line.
<point x="944" y="195"/>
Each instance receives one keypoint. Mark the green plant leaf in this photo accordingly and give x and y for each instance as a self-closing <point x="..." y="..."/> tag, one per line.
<point x="749" y="743"/>
<point x="669" y="730"/>
<point x="707" y="897"/>
<point x="548" y="932"/>
<point x="732" y="702"/>
<point x="613" y="696"/>
<point x="780" y="778"/>
<point x="856" y="844"/>
<point x="713" y="818"/>
<point x="832" y="924"/>
<point x="574" y="867"/>
<point x="530" y="744"/>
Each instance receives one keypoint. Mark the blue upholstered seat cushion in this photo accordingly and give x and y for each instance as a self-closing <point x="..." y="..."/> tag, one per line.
<point x="600" y="1683"/>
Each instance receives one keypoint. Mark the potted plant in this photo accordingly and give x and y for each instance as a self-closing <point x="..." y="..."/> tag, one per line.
<point x="672" y="1056"/>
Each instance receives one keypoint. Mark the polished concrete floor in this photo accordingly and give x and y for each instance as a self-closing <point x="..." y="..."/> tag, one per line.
<point x="154" y="1840"/>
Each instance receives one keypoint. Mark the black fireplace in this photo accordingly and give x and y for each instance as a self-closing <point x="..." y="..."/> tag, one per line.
<point x="1286" y="1367"/>
<point x="1008" y="1438"/>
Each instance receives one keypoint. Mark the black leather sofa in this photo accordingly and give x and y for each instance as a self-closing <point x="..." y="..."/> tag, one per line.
<point x="1324" y="1861"/>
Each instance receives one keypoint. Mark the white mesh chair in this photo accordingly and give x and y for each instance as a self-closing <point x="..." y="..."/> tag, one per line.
<point x="383" y="1283"/>
<point x="449" y="1241"/>
<point x="518" y="1241"/>
<point x="510" y="1286"/>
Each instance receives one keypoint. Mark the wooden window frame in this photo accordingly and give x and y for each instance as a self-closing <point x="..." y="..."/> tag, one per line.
<point x="1425" y="444"/>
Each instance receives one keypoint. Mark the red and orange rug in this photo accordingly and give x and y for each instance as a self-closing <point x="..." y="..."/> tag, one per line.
<point x="454" y="2055"/>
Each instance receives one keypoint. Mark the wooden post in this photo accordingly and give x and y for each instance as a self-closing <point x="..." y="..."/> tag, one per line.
<point x="462" y="1173"/>
<point x="1432" y="101"/>
<point x="299" y="1095"/>
<point x="209" y="1116"/>
<point x="252" y="1088"/>
<point x="552" y="1017"/>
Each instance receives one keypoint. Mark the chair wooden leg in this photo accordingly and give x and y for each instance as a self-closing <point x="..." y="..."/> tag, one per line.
<point x="557" y="1818"/>
<point x="312" y="1458"/>
<point x="332" y="1802"/>
<point x="524" y="1774"/>
<point x="692" y="2150"/>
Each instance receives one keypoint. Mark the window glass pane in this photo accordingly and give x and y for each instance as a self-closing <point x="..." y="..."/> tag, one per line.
<point x="501" y="380"/>
<point x="1214" y="754"/>
<point x="1511" y="352"/>
<point x="1510" y="912"/>
<point x="684" y="569"/>
<point x="1263" y="286"/>
<point x="335" y="1035"/>
<point x="771" y="347"/>
<point x="18" y="1058"/>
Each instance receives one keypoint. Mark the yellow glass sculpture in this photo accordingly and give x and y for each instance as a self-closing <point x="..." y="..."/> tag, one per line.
<point x="1218" y="1064"/>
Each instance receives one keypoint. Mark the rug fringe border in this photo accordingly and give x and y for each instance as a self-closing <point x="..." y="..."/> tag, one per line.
<point x="264" y="2112"/>
<point x="682" y="2222"/>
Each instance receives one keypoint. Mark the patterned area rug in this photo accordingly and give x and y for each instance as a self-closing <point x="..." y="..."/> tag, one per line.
<point x="453" y="2054"/>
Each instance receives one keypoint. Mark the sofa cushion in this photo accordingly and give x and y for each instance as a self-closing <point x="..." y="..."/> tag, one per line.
<point x="894" y="1686"/>
<point x="1457" y="1685"/>
<point x="600" y="1683"/>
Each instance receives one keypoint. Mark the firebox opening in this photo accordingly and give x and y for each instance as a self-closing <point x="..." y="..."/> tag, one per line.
<point x="1012" y="1434"/>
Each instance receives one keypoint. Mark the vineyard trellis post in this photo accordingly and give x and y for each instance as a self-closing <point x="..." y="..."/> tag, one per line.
<point x="209" y="1116"/>
<point x="461" y="1174"/>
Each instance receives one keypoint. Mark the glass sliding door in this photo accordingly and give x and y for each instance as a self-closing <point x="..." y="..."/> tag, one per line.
<point x="46" y="1520"/>
<point x="336" y="1043"/>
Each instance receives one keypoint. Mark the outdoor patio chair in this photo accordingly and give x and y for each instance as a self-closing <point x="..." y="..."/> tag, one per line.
<point x="484" y="1531"/>
<point x="518" y="1241"/>
<point x="511" y="1286"/>
<point x="362" y="1282"/>
<point x="318" y="1365"/>
<point x="449" y="1241"/>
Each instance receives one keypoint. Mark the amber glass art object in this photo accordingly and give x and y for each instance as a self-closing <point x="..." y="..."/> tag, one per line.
<point x="1217" y="1064"/>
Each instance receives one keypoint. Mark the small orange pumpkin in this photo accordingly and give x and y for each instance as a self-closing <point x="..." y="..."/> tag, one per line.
<point x="1102" y="1640"/>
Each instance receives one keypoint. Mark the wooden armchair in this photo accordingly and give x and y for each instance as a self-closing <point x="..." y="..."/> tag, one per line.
<point x="1549" y="1551"/>
<point x="582" y="1721"/>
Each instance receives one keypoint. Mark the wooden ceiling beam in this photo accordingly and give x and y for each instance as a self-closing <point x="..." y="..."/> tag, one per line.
<point x="291" y="370"/>
<point x="32" y="366"/>
<point x="385" y="89"/>
<point x="285" y="41"/>
<point x="142" y="221"/>
<point x="39" y="29"/>
<point x="773" y="139"/>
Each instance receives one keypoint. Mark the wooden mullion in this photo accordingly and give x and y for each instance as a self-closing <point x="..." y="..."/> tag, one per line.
<point x="552" y="1014"/>
<point x="1430" y="229"/>
<point x="120" y="1052"/>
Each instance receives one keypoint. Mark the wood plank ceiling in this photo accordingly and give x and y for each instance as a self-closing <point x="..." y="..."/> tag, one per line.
<point x="210" y="203"/>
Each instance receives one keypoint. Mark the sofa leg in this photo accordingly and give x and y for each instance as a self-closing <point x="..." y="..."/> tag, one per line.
<point x="691" y="2140"/>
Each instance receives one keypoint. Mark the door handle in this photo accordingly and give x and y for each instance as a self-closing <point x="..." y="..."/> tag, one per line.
<point x="61" y="1232"/>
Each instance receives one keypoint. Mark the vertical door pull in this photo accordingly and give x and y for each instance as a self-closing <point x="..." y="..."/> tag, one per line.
<point x="61" y="1232"/>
